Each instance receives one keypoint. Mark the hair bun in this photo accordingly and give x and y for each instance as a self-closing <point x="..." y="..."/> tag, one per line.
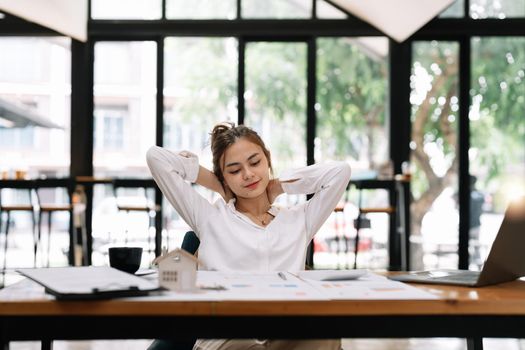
<point x="220" y="128"/>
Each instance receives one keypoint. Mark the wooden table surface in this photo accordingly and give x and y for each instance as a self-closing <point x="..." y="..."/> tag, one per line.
<point x="502" y="299"/>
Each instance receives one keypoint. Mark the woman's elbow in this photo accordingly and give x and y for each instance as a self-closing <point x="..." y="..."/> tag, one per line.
<point x="153" y="157"/>
<point x="346" y="171"/>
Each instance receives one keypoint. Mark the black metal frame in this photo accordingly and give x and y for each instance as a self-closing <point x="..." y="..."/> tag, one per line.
<point x="455" y="29"/>
<point x="47" y="328"/>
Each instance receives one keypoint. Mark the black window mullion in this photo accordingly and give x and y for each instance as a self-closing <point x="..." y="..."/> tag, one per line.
<point x="463" y="146"/>
<point x="311" y="119"/>
<point x="239" y="4"/>
<point x="241" y="79"/>
<point x="159" y="137"/>
<point x="400" y="56"/>
<point x="310" y="102"/>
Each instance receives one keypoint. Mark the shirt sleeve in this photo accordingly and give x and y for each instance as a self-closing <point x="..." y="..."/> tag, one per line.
<point x="174" y="172"/>
<point x="327" y="182"/>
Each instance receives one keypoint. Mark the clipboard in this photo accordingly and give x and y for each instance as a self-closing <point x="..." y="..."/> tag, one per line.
<point x="89" y="282"/>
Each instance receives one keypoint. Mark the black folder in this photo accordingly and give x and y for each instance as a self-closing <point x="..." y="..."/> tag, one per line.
<point x="89" y="282"/>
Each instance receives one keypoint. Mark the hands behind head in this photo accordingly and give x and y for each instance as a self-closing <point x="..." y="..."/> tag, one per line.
<point x="274" y="189"/>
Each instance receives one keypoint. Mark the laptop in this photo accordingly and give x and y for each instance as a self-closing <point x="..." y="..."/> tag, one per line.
<point x="506" y="260"/>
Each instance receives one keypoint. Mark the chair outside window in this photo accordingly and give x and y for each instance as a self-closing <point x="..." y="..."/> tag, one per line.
<point x="137" y="196"/>
<point x="16" y="196"/>
<point x="395" y="209"/>
<point x="54" y="196"/>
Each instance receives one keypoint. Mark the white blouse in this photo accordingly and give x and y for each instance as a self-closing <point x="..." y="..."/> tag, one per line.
<point x="230" y="241"/>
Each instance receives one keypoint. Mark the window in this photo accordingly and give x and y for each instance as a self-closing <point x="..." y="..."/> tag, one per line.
<point x="276" y="9"/>
<point x="34" y="105"/>
<point x="351" y="108"/>
<point x="109" y="128"/>
<point x="435" y="105"/>
<point x="200" y="90"/>
<point x="125" y="88"/>
<point x="201" y="9"/>
<point x="497" y="9"/>
<point x="457" y="9"/>
<point x="351" y="105"/>
<point x="275" y="99"/>
<point x="497" y="128"/>
<point x="126" y="9"/>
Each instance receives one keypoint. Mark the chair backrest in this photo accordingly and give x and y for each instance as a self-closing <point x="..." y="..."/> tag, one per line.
<point x="191" y="242"/>
<point x="54" y="191"/>
<point x="134" y="191"/>
<point x="17" y="192"/>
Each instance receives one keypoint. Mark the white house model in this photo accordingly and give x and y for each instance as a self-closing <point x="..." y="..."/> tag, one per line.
<point x="177" y="270"/>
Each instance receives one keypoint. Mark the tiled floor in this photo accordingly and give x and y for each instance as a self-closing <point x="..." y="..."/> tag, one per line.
<point x="348" y="344"/>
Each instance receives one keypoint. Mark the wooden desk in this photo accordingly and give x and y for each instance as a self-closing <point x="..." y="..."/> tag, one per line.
<point x="472" y="313"/>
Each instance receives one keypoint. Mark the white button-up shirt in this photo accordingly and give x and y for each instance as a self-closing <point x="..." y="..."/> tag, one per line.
<point x="230" y="241"/>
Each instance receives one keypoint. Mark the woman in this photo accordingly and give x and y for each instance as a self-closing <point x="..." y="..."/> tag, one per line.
<point x="243" y="230"/>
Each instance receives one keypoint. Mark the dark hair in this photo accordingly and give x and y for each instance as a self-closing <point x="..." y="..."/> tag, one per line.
<point x="226" y="134"/>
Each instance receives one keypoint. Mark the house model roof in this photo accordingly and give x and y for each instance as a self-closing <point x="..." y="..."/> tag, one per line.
<point x="173" y="253"/>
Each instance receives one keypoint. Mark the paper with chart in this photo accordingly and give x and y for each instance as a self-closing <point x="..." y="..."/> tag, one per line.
<point x="258" y="286"/>
<point x="370" y="287"/>
<point x="272" y="286"/>
<point x="267" y="286"/>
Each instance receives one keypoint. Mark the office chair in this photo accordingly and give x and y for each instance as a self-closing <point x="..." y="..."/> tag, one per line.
<point x="44" y="189"/>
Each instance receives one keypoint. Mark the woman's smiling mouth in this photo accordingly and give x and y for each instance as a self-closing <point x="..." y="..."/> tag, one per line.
<point x="253" y="185"/>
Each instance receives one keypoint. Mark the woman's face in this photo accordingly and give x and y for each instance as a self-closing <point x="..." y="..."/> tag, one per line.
<point x="245" y="169"/>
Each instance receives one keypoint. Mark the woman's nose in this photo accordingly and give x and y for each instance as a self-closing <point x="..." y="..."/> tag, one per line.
<point x="247" y="174"/>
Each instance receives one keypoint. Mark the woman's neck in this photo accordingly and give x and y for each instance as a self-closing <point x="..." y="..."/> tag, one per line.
<point x="255" y="206"/>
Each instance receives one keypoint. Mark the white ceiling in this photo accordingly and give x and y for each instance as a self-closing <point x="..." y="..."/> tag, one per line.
<point x="68" y="17"/>
<point x="398" y="19"/>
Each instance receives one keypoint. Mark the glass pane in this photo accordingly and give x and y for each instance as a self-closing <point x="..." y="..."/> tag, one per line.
<point x="124" y="88"/>
<point x="276" y="9"/>
<point x="497" y="8"/>
<point x="275" y="100"/>
<point x="435" y="105"/>
<point x="125" y="126"/>
<point x="35" y="91"/>
<point x="352" y="126"/>
<point x="201" y="9"/>
<point x="126" y="9"/>
<point x="457" y="9"/>
<point x="351" y="108"/>
<point x="497" y="128"/>
<point x="325" y="10"/>
<point x="200" y="76"/>
<point x="35" y="97"/>
<point x="200" y="90"/>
